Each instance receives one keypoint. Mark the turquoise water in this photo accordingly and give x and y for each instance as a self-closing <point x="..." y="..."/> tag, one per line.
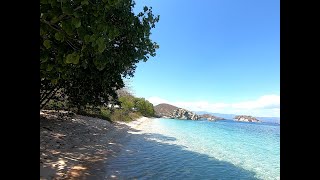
<point x="184" y="149"/>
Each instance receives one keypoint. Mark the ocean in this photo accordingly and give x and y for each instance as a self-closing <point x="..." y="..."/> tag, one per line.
<point x="186" y="149"/>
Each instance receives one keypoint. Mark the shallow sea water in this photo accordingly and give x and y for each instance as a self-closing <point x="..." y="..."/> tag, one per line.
<point x="185" y="149"/>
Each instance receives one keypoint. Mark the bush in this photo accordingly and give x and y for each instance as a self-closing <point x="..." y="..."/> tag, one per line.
<point x="56" y="105"/>
<point x="132" y="108"/>
<point x="97" y="112"/>
<point x="120" y="115"/>
<point x="134" y="115"/>
<point x="105" y="112"/>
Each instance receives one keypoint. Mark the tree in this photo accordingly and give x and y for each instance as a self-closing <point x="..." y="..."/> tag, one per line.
<point x="127" y="102"/>
<point x="87" y="47"/>
<point x="144" y="107"/>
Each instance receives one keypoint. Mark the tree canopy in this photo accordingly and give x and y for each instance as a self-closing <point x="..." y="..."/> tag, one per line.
<point x="87" y="47"/>
<point x="144" y="107"/>
<point x="141" y="105"/>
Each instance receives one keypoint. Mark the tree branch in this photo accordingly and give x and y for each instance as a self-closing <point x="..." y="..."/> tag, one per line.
<point x="72" y="46"/>
<point x="59" y="30"/>
<point x="45" y="101"/>
<point x="45" y="95"/>
<point x="64" y="15"/>
<point x="48" y="23"/>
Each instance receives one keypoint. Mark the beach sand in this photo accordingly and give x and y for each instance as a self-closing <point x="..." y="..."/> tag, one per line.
<point x="78" y="147"/>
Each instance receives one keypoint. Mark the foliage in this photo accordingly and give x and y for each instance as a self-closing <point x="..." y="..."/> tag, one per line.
<point x="144" y="107"/>
<point x="105" y="112"/>
<point x="120" y="115"/>
<point x="98" y="112"/>
<point x="126" y="113"/>
<point x="88" y="46"/>
<point x="129" y="102"/>
<point x="56" y="105"/>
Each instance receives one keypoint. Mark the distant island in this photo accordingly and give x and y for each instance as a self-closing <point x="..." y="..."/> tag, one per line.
<point x="245" y="118"/>
<point x="232" y="116"/>
<point x="211" y="117"/>
<point x="172" y="112"/>
<point x="169" y="111"/>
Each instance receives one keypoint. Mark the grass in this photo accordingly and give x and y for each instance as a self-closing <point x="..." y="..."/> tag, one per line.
<point x="123" y="115"/>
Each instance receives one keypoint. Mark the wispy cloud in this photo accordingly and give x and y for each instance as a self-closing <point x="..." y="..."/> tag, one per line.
<point x="267" y="106"/>
<point x="157" y="100"/>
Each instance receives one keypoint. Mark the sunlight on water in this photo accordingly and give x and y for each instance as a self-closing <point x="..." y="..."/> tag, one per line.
<point x="173" y="149"/>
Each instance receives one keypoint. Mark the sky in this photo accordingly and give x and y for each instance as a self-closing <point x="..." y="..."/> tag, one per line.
<point x="220" y="56"/>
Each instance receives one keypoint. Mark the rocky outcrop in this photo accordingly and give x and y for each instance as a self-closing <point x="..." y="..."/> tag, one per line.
<point x="172" y="112"/>
<point x="184" y="114"/>
<point x="245" y="118"/>
<point x="210" y="117"/>
<point x="164" y="110"/>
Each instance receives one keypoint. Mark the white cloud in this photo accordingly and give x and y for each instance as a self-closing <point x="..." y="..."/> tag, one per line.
<point x="156" y="100"/>
<point x="265" y="106"/>
<point x="264" y="102"/>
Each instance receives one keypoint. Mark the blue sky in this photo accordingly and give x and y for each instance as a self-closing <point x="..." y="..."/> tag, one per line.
<point x="221" y="56"/>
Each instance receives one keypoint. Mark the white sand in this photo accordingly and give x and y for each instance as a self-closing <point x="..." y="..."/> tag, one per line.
<point x="78" y="147"/>
<point x="136" y="123"/>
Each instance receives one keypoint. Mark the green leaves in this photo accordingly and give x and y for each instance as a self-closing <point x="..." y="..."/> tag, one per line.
<point x="42" y="32"/>
<point x="59" y="36"/>
<point x="54" y="19"/>
<point x="43" y="59"/>
<point x="66" y="9"/>
<point x="49" y="67"/>
<point x="87" y="38"/>
<point x="104" y="34"/>
<point x="93" y="37"/>
<point x="67" y="27"/>
<point x="54" y="81"/>
<point x="85" y="2"/>
<point x="101" y="48"/>
<point x="100" y="63"/>
<point x="101" y="44"/>
<point x="47" y="44"/>
<point x="145" y="8"/>
<point x="72" y="58"/>
<point x="76" y="22"/>
<point x="44" y="1"/>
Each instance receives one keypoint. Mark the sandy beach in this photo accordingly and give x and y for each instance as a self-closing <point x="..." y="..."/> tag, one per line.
<point x="78" y="147"/>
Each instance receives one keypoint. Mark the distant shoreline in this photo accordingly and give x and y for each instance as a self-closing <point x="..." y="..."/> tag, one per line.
<point x="263" y="122"/>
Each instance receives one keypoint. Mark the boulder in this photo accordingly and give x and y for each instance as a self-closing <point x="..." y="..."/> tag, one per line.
<point x="245" y="118"/>
<point x="184" y="114"/>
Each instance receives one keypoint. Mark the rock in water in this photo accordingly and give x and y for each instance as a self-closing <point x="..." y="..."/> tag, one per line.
<point x="245" y="118"/>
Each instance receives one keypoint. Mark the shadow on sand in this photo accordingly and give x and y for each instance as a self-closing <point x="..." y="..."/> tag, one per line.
<point x="153" y="156"/>
<point x="75" y="151"/>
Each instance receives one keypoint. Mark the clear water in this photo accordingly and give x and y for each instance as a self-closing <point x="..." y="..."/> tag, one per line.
<point x="184" y="149"/>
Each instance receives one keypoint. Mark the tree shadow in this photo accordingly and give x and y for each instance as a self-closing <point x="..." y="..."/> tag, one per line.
<point x="72" y="149"/>
<point x="153" y="156"/>
<point x="83" y="150"/>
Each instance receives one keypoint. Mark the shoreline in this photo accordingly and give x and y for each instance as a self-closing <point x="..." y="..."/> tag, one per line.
<point x="79" y="147"/>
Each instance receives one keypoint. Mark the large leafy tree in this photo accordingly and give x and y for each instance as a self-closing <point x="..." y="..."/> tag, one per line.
<point x="144" y="107"/>
<point x="87" y="47"/>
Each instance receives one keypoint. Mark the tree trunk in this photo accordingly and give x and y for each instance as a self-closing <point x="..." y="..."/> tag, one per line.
<point x="44" y="95"/>
<point x="49" y="96"/>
